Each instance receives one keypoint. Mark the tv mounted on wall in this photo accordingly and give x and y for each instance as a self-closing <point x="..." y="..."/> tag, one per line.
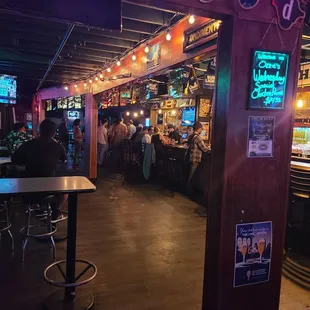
<point x="7" y="89"/>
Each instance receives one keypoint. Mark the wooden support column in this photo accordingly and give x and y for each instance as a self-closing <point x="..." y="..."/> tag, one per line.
<point x="91" y="126"/>
<point x="245" y="190"/>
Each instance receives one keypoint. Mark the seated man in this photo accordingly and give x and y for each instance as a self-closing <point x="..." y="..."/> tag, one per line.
<point x="40" y="157"/>
<point x="17" y="137"/>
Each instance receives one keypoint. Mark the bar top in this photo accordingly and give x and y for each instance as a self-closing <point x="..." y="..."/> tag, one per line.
<point x="300" y="165"/>
<point x="46" y="185"/>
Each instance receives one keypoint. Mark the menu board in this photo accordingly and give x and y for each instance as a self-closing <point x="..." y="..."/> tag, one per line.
<point x="268" y="80"/>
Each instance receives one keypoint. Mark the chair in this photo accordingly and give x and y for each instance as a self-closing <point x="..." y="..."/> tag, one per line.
<point x="5" y="223"/>
<point x="32" y="231"/>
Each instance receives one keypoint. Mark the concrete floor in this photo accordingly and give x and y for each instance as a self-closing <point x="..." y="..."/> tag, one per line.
<point x="148" y="247"/>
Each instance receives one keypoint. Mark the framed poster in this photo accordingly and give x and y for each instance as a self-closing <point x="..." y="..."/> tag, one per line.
<point x="253" y="249"/>
<point x="153" y="57"/>
<point x="260" y="136"/>
<point x="268" y="80"/>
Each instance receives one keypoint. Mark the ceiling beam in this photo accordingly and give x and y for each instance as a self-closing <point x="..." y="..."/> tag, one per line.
<point x="150" y="7"/>
<point x="139" y="27"/>
<point x="143" y="14"/>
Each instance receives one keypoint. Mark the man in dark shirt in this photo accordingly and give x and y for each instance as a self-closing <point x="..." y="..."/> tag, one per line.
<point x="173" y="134"/>
<point x="40" y="157"/>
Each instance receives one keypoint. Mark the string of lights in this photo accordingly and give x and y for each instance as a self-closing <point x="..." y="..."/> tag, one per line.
<point x="117" y="60"/>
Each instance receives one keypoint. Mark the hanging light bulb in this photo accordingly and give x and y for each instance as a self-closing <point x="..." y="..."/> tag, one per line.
<point x="109" y="69"/>
<point x="118" y="63"/>
<point x="174" y="112"/>
<point x="135" y="114"/>
<point x="300" y="103"/>
<point x="159" y="111"/>
<point x="133" y="56"/>
<point x="66" y="87"/>
<point x="114" y="77"/>
<point x="90" y="81"/>
<point x="147" y="48"/>
<point x="101" y="76"/>
<point x="96" y="78"/>
<point x="191" y="19"/>
<point x="85" y="84"/>
<point x="75" y="85"/>
<point x="168" y="35"/>
<point x="127" y="113"/>
<point x="141" y="112"/>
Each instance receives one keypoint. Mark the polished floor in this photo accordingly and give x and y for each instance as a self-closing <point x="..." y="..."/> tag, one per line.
<point x="148" y="247"/>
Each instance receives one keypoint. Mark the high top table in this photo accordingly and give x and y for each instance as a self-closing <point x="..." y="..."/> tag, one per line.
<point x="65" y="185"/>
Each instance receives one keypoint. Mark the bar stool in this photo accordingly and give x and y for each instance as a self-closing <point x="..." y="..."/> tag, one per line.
<point x="31" y="231"/>
<point x="5" y="223"/>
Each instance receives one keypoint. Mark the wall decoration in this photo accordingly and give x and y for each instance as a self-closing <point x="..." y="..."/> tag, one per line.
<point x="153" y="57"/>
<point x="288" y="12"/>
<point x="197" y="36"/>
<point x="253" y="249"/>
<point x="268" y="80"/>
<point x="248" y="4"/>
<point x="208" y="81"/>
<point x="204" y="107"/>
<point x="260" y="136"/>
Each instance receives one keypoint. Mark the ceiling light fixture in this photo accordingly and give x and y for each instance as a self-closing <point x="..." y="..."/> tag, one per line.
<point x="191" y="19"/>
<point x="75" y="85"/>
<point x="118" y="63"/>
<point x="141" y="112"/>
<point x="101" y="76"/>
<point x="168" y="35"/>
<point x="85" y="84"/>
<point x="109" y="69"/>
<point x="66" y="88"/>
<point x="90" y="81"/>
<point x="147" y="49"/>
<point x="300" y="103"/>
<point x="96" y="78"/>
<point x="127" y="113"/>
<point x="134" y="57"/>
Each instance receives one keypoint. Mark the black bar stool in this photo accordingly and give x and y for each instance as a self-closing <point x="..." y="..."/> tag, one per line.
<point x="5" y="223"/>
<point x="32" y="231"/>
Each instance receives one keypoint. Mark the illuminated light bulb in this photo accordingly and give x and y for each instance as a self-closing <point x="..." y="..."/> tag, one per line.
<point x="300" y="103"/>
<point x="114" y="77"/>
<point x="168" y="35"/>
<point x="101" y="76"/>
<point x="174" y="112"/>
<point x="96" y="78"/>
<point x="109" y="69"/>
<point x="159" y="111"/>
<point x="90" y="81"/>
<point x="85" y="84"/>
<point x="75" y="86"/>
<point x="133" y="57"/>
<point x="66" y="88"/>
<point x="135" y="114"/>
<point x="127" y="113"/>
<point x="118" y="63"/>
<point x="141" y="112"/>
<point x="191" y="19"/>
<point x="147" y="48"/>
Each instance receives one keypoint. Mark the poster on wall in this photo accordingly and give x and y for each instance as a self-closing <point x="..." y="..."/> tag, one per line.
<point x="268" y="80"/>
<point x="153" y="57"/>
<point x="260" y="136"/>
<point x="253" y="248"/>
<point x="204" y="107"/>
<point x="208" y="81"/>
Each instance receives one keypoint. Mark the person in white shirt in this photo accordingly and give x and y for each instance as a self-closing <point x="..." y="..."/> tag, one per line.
<point x="131" y="129"/>
<point x="102" y="141"/>
<point x="148" y="135"/>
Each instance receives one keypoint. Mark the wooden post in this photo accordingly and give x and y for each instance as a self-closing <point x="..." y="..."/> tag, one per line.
<point x="245" y="190"/>
<point x="91" y="127"/>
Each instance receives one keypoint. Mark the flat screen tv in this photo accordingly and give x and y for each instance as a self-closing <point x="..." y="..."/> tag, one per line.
<point x="7" y="89"/>
<point x="188" y="117"/>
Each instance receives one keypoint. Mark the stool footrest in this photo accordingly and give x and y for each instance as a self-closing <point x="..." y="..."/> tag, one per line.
<point x="47" y="234"/>
<point x="89" y="265"/>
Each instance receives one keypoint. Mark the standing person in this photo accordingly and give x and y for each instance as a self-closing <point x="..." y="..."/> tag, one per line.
<point x="102" y="141"/>
<point x="17" y="137"/>
<point x="40" y="157"/>
<point x="173" y="134"/>
<point x="118" y="133"/>
<point x="63" y="133"/>
<point x="131" y="129"/>
<point x="195" y="149"/>
<point x="78" y="140"/>
<point x="147" y="138"/>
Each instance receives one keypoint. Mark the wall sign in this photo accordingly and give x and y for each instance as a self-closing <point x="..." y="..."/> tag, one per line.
<point x="260" y="136"/>
<point x="153" y="57"/>
<point x="248" y="4"/>
<point x="268" y="80"/>
<point x="208" y="81"/>
<point x="197" y="36"/>
<point x="288" y="12"/>
<point x="253" y="249"/>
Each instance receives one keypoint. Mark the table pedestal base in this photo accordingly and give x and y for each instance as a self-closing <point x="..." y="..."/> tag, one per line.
<point x="83" y="301"/>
